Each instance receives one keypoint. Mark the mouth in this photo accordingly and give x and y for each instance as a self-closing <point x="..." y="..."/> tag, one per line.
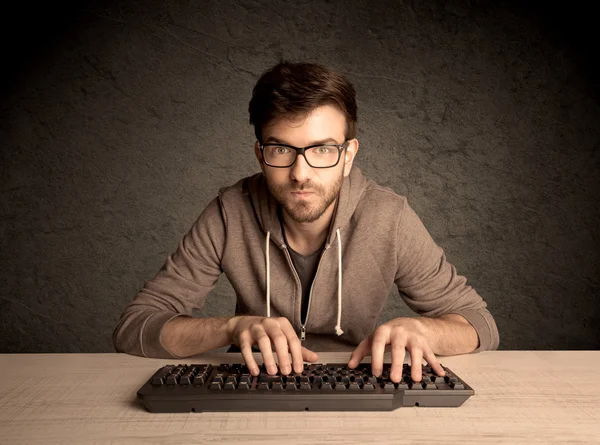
<point x="302" y="194"/>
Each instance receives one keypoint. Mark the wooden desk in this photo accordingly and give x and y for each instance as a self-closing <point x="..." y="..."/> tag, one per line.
<point x="532" y="397"/>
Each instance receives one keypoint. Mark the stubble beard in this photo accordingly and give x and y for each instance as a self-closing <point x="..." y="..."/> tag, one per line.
<point x="305" y="211"/>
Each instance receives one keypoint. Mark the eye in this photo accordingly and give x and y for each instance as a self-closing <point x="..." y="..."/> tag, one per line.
<point x="322" y="150"/>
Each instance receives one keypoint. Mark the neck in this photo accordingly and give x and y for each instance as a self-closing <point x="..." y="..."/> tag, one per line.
<point x="306" y="238"/>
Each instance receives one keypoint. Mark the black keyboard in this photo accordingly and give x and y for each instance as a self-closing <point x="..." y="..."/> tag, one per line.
<point x="319" y="387"/>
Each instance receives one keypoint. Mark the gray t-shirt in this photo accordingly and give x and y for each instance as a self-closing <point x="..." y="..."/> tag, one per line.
<point x="305" y="265"/>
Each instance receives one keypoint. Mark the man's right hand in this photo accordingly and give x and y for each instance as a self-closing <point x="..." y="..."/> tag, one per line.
<point x="247" y="331"/>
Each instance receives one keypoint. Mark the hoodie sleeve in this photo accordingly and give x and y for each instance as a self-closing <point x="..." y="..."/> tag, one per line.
<point x="430" y="285"/>
<point x="181" y="285"/>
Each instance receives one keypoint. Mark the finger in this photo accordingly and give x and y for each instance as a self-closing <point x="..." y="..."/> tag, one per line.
<point x="433" y="362"/>
<point x="380" y="339"/>
<point x="309" y="355"/>
<point x="416" y="359"/>
<point x="398" y="354"/>
<point x="264" y="343"/>
<point x="246" y="349"/>
<point x="294" y="345"/>
<point x="361" y="351"/>
<point x="279" y="339"/>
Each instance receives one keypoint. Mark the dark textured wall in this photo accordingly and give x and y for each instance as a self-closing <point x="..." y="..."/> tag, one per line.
<point x="120" y="121"/>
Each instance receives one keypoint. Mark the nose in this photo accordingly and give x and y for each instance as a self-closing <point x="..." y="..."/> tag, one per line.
<point x="300" y="171"/>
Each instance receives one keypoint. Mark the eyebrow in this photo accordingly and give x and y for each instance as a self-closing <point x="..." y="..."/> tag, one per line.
<point x="279" y="141"/>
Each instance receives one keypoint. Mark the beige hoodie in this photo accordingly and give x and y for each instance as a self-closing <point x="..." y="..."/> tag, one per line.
<point x="376" y="240"/>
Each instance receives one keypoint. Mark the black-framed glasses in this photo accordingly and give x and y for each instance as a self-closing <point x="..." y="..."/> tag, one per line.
<point x="317" y="156"/>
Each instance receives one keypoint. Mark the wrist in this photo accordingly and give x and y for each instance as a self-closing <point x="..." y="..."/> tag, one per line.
<point x="230" y="327"/>
<point x="423" y="325"/>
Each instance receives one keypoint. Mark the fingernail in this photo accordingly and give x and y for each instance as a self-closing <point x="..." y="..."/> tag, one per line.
<point x="377" y="372"/>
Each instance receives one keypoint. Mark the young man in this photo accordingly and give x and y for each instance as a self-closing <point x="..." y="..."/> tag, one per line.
<point x="311" y="248"/>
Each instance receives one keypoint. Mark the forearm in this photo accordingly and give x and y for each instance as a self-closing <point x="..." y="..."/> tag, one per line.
<point x="186" y="336"/>
<point x="449" y="334"/>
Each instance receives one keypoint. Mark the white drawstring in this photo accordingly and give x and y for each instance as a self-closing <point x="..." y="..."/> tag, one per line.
<point x="338" y="328"/>
<point x="268" y="277"/>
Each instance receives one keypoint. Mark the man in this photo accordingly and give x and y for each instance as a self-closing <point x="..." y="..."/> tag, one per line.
<point x="311" y="248"/>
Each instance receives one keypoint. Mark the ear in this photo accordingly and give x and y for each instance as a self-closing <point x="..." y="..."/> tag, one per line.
<point x="259" y="156"/>
<point x="349" y="155"/>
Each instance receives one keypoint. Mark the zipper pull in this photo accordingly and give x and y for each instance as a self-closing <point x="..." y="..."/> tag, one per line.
<point x="302" y="333"/>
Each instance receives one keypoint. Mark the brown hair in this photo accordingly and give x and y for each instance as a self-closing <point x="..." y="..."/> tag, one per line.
<point x="293" y="90"/>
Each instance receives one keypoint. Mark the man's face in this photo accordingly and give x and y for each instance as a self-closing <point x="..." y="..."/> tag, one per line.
<point x="320" y="185"/>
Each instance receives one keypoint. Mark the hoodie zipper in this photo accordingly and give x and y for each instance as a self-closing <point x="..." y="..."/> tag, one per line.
<point x="303" y="325"/>
<point x="291" y="263"/>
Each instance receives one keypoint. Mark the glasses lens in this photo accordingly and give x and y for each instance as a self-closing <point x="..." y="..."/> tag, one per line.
<point x="321" y="156"/>
<point x="279" y="156"/>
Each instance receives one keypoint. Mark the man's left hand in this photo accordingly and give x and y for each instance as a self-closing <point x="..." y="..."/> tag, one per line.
<point x="402" y="334"/>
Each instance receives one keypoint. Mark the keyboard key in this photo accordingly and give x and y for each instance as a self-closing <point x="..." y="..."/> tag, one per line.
<point x="389" y="387"/>
<point x="171" y="380"/>
<point x="305" y="386"/>
<point x="157" y="380"/>
<point x="326" y="386"/>
<point x="430" y="386"/>
<point x="199" y="380"/>
<point x="353" y="386"/>
<point x="231" y="379"/>
<point x="217" y="379"/>
<point x="186" y="379"/>
<point x="246" y="379"/>
<point x="336" y="366"/>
